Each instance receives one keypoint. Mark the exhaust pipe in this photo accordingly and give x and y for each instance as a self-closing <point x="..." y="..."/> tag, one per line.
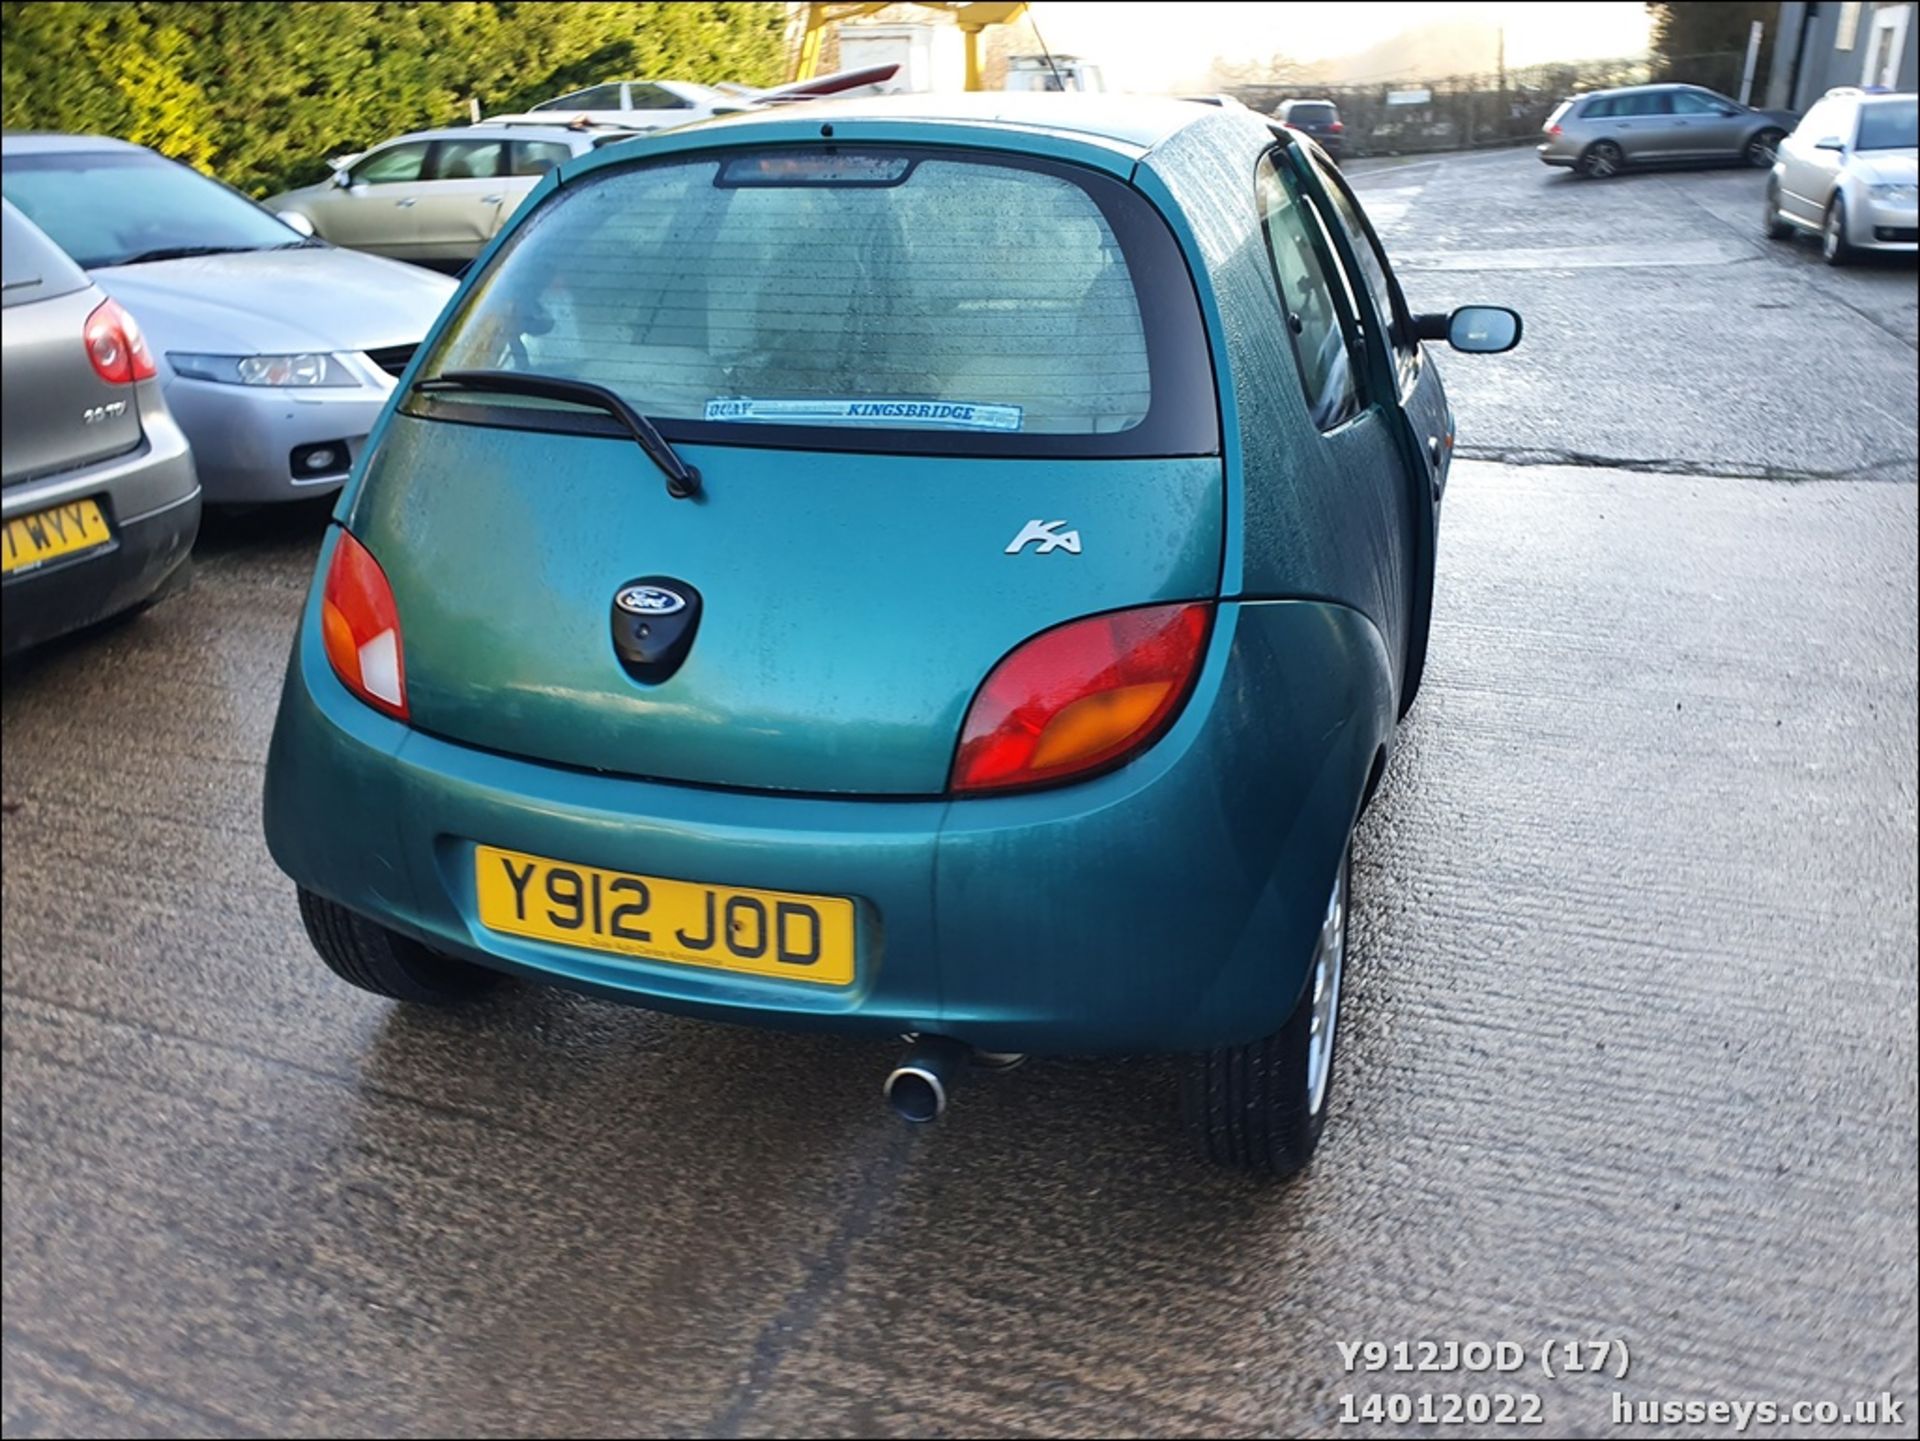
<point x="919" y="1086"/>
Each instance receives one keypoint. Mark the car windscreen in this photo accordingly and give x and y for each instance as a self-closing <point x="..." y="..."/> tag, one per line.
<point x="878" y="299"/>
<point x="1892" y="126"/>
<point x="1311" y="114"/>
<point x="110" y="207"/>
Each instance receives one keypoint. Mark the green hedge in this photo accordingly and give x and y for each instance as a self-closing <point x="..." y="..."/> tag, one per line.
<point x="260" y="94"/>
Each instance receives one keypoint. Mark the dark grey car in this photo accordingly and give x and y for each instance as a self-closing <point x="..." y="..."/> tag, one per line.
<point x="1318" y="118"/>
<point x="1607" y="131"/>
<point x="100" y="499"/>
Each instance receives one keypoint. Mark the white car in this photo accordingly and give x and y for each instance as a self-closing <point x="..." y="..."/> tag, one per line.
<point x="434" y="197"/>
<point x="1847" y="174"/>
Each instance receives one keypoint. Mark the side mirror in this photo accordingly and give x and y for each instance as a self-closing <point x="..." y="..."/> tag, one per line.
<point x="1830" y="142"/>
<point x="343" y="179"/>
<point x="1475" y="329"/>
<point x="294" y="220"/>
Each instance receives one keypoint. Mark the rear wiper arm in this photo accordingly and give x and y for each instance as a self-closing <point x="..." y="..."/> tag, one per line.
<point x="683" y="481"/>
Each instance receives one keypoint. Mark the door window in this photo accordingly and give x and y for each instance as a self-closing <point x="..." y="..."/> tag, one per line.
<point x="594" y="97"/>
<point x="392" y="166"/>
<point x="466" y="159"/>
<point x="1313" y="308"/>
<point x="653" y="97"/>
<point x="1646" y="102"/>
<point x="1374" y="273"/>
<point x="537" y="157"/>
<point x="1691" y="102"/>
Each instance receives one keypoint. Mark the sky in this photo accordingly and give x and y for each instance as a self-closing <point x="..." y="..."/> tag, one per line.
<point x="1171" y="45"/>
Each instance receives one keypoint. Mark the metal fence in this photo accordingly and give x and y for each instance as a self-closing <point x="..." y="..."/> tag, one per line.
<point x="1465" y="112"/>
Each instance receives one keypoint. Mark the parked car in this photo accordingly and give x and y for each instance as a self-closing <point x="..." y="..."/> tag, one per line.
<point x="1608" y="131"/>
<point x="435" y="197"/>
<point x="1847" y="174"/>
<point x="811" y="584"/>
<point x="1319" y="118"/>
<point x="276" y="350"/>
<point x="657" y="104"/>
<point x="97" y="490"/>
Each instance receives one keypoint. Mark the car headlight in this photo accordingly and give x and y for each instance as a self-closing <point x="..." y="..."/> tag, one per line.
<point x="303" y="370"/>
<point x="1895" y="191"/>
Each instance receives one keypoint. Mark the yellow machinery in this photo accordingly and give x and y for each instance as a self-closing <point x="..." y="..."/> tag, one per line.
<point x="972" y="18"/>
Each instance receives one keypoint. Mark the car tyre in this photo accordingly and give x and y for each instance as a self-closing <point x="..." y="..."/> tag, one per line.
<point x="1775" y="225"/>
<point x="1834" y="245"/>
<point x="1602" y="160"/>
<point x="365" y="954"/>
<point x="1260" y="1107"/>
<point x="1764" y="148"/>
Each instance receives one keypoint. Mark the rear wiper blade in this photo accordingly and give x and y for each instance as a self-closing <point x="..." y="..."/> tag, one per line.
<point x="683" y="481"/>
<point x="182" y="252"/>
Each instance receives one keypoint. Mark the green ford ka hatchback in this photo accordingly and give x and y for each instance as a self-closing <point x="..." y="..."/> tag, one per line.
<point x="941" y="569"/>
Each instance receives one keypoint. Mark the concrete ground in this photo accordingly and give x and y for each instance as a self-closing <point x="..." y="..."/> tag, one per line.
<point x="1628" y="1047"/>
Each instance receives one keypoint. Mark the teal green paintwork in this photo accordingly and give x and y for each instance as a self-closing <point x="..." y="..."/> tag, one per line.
<point x="1169" y="904"/>
<point x="808" y="673"/>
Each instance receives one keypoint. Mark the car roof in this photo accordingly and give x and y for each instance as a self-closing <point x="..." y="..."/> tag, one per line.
<point x="43" y="142"/>
<point x="1131" y="122"/>
<point x="485" y="130"/>
<point x="1637" y="89"/>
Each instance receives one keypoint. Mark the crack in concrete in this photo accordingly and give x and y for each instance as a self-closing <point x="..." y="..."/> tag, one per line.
<point x="1891" y="469"/>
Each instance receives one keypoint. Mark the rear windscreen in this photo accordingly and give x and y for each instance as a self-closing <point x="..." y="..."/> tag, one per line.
<point x="761" y="296"/>
<point x="1312" y="115"/>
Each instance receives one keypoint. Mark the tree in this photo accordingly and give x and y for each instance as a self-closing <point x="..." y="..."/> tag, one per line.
<point x="262" y="94"/>
<point x="1692" y="39"/>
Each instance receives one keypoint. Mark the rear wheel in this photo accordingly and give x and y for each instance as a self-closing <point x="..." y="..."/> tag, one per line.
<point x="370" y="956"/>
<point x="1260" y="1107"/>
<point x="1764" y="148"/>
<point x="1603" y="159"/>
<point x="1775" y="226"/>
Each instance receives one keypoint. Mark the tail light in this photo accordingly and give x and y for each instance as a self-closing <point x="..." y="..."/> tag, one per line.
<point x="361" y="627"/>
<point x="1553" y="130"/>
<point x="1336" y="127"/>
<point x="1081" y="698"/>
<point x="116" y="347"/>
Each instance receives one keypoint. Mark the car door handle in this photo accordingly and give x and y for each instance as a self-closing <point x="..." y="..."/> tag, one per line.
<point x="403" y="204"/>
<point x="491" y="199"/>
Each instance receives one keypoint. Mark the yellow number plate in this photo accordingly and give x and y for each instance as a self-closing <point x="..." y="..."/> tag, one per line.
<point x="764" y="933"/>
<point x="49" y="534"/>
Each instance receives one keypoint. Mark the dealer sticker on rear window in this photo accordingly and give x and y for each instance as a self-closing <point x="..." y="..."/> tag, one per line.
<point x="954" y="414"/>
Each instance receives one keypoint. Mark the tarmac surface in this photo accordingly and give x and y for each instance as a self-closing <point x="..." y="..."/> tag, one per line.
<point x="1628" y="1044"/>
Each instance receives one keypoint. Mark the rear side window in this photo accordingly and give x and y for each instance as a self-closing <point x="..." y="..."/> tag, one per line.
<point x="880" y="299"/>
<point x="537" y="157"/>
<point x="1601" y="109"/>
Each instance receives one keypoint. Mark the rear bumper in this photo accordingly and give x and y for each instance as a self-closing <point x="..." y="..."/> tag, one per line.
<point x="1169" y="905"/>
<point x="152" y="503"/>
<point x="1550" y="155"/>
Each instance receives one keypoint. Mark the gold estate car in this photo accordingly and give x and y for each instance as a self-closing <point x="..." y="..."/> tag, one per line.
<point x="435" y="197"/>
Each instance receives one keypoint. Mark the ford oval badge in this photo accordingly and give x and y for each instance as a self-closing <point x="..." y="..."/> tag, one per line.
<point x="650" y="600"/>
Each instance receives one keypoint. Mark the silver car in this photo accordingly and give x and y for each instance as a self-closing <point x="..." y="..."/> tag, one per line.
<point x="1607" y="131"/>
<point x="1848" y="175"/>
<point x="97" y="489"/>
<point x="276" y="350"/>
<point x="434" y="197"/>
